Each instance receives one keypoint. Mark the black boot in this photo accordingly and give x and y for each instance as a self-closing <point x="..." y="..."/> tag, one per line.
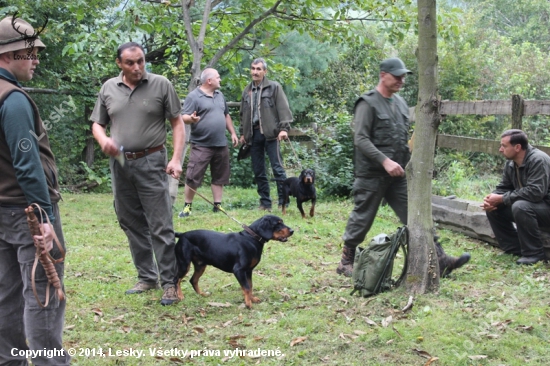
<point x="448" y="263"/>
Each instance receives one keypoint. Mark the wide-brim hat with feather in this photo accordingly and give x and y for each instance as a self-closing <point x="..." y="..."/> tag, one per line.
<point x="16" y="34"/>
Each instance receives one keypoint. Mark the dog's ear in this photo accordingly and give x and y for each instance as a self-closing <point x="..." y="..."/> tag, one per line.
<point x="265" y="226"/>
<point x="302" y="175"/>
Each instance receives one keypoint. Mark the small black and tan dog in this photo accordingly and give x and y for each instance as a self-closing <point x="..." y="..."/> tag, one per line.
<point x="448" y="263"/>
<point x="237" y="253"/>
<point x="303" y="188"/>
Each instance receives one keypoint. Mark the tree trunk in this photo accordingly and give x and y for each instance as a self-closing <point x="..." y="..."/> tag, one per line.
<point x="423" y="271"/>
<point x="89" y="149"/>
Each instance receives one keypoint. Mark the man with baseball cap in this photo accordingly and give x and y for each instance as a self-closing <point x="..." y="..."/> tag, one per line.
<point x="381" y="130"/>
<point x="29" y="175"/>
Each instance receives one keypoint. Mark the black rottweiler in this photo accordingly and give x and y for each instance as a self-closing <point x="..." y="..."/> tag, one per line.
<point x="448" y="263"/>
<point x="303" y="189"/>
<point x="237" y="253"/>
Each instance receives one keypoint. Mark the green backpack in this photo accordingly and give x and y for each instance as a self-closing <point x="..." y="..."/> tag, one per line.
<point x="373" y="266"/>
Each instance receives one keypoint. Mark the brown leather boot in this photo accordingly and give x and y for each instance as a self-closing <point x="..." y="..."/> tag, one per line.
<point x="345" y="267"/>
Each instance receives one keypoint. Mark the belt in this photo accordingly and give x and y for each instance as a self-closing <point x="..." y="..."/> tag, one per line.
<point x="256" y="127"/>
<point x="140" y="154"/>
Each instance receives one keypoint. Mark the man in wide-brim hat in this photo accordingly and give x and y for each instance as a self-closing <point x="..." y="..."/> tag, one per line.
<point x="29" y="175"/>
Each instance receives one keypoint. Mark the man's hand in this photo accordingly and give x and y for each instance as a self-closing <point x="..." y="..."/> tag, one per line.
<point x="110" y="147"/>
<point x="393" y="169"/>
<point x="283" y="135"/>
<point x="491" y="202"/>
<point x="235" y="140"/>
<point x="44" y="242"/>
<point x="242" y="140"/>
<point x="191" y="118"/>
<point x="174" y="168"/>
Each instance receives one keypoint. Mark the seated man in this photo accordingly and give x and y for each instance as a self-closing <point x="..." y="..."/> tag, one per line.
<point x="523" y="197"/>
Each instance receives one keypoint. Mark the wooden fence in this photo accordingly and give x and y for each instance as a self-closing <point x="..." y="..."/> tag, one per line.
<point x="517" y="107"/>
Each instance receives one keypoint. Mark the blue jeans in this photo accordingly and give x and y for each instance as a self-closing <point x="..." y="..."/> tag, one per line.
<point x="257" y="152"/>
<point x="144" y="211"/>
<point x="21" y="318"/>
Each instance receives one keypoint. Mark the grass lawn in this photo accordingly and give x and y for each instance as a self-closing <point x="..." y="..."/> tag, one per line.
<point x="491" y="312"/>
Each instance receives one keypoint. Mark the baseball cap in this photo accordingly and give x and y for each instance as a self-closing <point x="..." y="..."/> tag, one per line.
<point x="394" y="66"/>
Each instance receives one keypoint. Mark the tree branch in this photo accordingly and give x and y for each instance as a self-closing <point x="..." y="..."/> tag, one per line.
<point x="243" y="33"/>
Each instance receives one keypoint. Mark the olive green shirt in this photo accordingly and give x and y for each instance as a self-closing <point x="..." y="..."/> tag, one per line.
<point x="137" y="117"/>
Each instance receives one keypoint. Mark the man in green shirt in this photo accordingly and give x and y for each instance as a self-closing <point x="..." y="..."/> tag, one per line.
<point x="381" y="130"/>
<point x="137" y="104"/>
<point x="29" y="175"/>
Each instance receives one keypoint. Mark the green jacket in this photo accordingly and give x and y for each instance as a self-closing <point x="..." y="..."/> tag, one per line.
<point x="274" y="112"/>
<point x="529" y="181"/>
<point x="381" y="130"/>
<point x="22" y="154"/>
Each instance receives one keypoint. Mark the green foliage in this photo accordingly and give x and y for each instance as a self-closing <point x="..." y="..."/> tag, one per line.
<point x="334" y="151"/>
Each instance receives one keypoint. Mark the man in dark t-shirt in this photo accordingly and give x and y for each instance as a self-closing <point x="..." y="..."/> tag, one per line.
<point x="206" y="111"/>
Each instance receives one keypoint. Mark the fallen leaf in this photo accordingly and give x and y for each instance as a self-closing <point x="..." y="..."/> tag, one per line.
<point x="198" y="329"/>
<point x="258" y="338"/>
<point x="345" y="301"/>
<point x="219" y="305"/>
<point x="493" y="336"/>
<point x="386" y="322"/>
<point x="126" y="329"/>
<point x="69" y="327"/>
<point x="97" y="311"/>
<point x="525" y="328"/>
<point x="96" y="318"/>
<point x="296" y="341"/>
<point x="390" y="341"/>
<point x="477" y="357"/>
<point x="422" y="353"/>
<point x="359" y="332"/>
<point x="118" y="318"/>
<point x="433" y="359"/>
<point x="369" y="322"/>
<point x="238" y="336"/>
<point x="227" y="323"/>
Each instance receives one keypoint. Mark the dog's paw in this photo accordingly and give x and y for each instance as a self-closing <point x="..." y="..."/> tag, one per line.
<point x="255" y="299"/>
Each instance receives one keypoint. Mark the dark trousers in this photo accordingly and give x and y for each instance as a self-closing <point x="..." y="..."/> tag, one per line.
<point x="24" y="325"/>
<point x="257" y="152"/>
<point x="144" y="212"/>
<point x="368" y="194"/>
<point x="524" y="240"/>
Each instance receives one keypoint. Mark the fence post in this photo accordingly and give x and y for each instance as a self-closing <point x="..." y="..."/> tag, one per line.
<point x="517" y="111"/>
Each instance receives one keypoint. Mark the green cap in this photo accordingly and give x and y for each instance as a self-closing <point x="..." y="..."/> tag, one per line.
<point x="394" y="66"/>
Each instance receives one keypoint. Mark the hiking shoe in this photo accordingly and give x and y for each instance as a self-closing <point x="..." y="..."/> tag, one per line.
<point x="345" y="269"/>
<point x="263" y="208"/>
<point x="186" y="211"/>
<point x="217" y="208"/>
<point x="169" y="296"/>
<point x="142" y="287"/>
